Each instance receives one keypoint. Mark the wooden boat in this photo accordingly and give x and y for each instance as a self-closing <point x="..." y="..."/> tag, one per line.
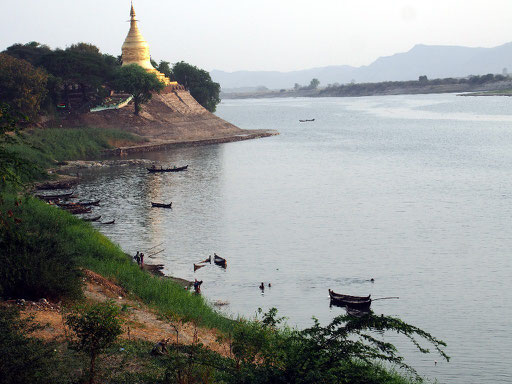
<point x="91" y="218"/>
<point x="306" y="120"/>
<point x="358" y="302"/>
<point x="219" y="260"/>
<point x="64" y="184"/>
<point x="89" y="203"/>
<point x="109" y="222"/>
<point x="348" y="297"/>
<point x="78" y="210"/>
<point x="55" y="197"/>
<point x="173" y="169"/>
<point x="208" y="260"/>
<point x="197" y="266"/>
<point x="161" y="205"/>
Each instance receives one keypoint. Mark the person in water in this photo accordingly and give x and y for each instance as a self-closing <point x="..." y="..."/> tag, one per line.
<point x="262" y="286"/>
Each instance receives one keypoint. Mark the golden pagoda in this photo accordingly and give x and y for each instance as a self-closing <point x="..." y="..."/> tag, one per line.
<point x="135" y="50"/>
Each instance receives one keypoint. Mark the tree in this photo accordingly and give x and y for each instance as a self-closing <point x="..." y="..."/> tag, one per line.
<point x="31" y="52"/>
<point x="82" y="65"/>
<point x="423" y="79"/>
<point x="313" y="84"/>
<point x="165" y="68"/>
<point x="134" y="79"/>
<point x="22" y="86"/>
<point x="199" y="83"/>
<point x="296" y="86"/>
<point x="96" y="327"/>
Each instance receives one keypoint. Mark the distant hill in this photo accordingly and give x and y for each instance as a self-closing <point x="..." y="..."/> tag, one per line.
<point x="434" y="61"/>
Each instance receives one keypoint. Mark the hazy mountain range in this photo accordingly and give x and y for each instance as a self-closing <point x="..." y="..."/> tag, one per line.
<point x="434" y="61"/>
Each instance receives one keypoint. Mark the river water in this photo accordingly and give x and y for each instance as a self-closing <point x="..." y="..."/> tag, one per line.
<point x="413" y="191"/>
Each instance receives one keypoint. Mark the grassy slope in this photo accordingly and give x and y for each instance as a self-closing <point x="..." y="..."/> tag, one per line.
<point x="45" y="147"/>
<point x="92" y="250"/>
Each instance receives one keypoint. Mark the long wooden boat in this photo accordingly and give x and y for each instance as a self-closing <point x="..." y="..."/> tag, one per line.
<point x="348" y="297"/>
<point x="359" y="302"/>
<point x="55" y="197"/>
<point x="78" y="210"/>
<point x="173" y="169"/>
<point x="88" y="203"/>
<point x="197" y="266"/>
<point x="161" y="205"/>
<point x="219" y="260"/>
<point x="94" y="218"/>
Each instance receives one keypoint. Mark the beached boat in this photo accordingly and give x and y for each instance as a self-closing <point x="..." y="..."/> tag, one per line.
<point x="55" y="197"/>
<point x="219" y="260"/>
<point x="78" y="210"/>
<point x="173" y="169"/>
<point x="88" y="203"/>
<point x="91" y="218"/>
<point x="161" y="205"/>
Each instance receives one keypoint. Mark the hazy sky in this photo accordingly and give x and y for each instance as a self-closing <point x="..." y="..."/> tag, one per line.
<point x="261" y="35"/>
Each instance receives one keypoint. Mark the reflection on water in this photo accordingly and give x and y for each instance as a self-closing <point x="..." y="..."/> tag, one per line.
<point x="374" y="188"/>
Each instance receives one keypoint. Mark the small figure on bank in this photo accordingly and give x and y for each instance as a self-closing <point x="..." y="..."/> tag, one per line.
<point x="141" y="260"/>
<point x="137" y="258"/>
<point x="262" y="286"/>
<point x="160" y="348"/>
<point x="197" y="286"/>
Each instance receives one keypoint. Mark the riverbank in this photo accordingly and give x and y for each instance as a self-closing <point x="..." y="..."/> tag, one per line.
<point x="381" y="89"/>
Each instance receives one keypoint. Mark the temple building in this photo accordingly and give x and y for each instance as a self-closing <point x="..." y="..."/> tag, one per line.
<point x="135" y="50"/>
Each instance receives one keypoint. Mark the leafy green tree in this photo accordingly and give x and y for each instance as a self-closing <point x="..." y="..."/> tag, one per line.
<point x="96" y="327"/>
<point x="22" y="86"/>
<point x="31" y="52"/>
<point x="134" y="79"/>
<point x="313" y="84"/>
<point x="199" y="83"/>
<point x="165" y="68"/>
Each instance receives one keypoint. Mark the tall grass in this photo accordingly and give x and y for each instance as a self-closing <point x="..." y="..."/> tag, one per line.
<point x="79" y="241"/>
<point x="45" y="147"/>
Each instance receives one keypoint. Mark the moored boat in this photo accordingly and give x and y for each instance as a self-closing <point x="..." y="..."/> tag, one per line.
<point x="91" y="218"/>
<point x="161" y="205"/>
<point x="359" y="302"/>
<point x="109" y="222"/>
<point x="197" y="266"/>
<point x="219" y="260"/>
<point x="55" y="197"/>
<point x="173" y="169"/>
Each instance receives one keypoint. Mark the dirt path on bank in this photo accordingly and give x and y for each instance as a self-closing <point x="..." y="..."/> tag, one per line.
<point x="140" y="321"/>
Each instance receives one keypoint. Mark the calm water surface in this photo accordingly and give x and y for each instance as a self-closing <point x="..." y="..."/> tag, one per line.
<point x="413" y="191"/>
